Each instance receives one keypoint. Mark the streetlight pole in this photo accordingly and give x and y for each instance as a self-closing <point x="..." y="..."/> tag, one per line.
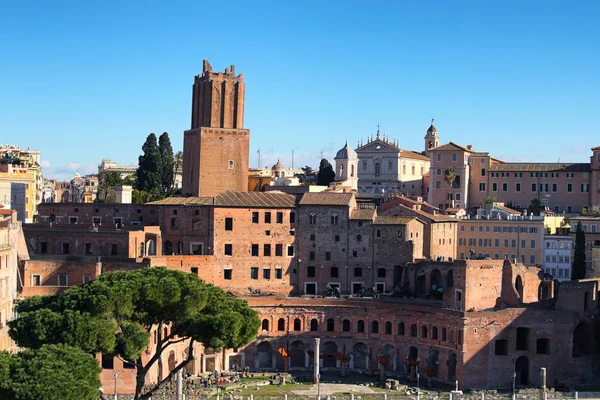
<point x="514" y="394"/>
<point x="115" y="373"/>
<point x="418" y="376"/>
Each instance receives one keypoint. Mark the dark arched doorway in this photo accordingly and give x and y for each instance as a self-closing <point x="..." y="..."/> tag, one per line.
<point x="298" y="358"/>
<point x="359" y="354"/>
<point x="329" y="359"/>
<point x="582" y="340"/>
<point x="519" y="287"/>
<point x="522" y="370"/>
<point x="264" y="355"/>
<point x="451" y="364"/>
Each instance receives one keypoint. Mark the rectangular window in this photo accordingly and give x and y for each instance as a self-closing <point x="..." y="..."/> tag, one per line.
<point x="439" y="156"/>
<point x="63" y="280"/>
<point x="501" y="347"/>
<point x="278" y="250"/>
<point x="228" y="224"/>
<point x="482" y="171"/>
<point x="228" y="250"/>
<point x="255" y="217"/>
<point x="43" y="248"/>
<point x="230" y="164"/>
<point x="534" y="187"/>
<point x="279" y="218"/>
<point x="88" y="249"/>
<point x="494" y="187"/>
<point x="227" y="274"/>
<point x="532" y="259"/>
<point x="266" y="273"/>
<point x="254" y="273"/>
<point x="310" y="288"/>
<point x="310" y="271"/>
<point x="292" y="217"/>
<point x="113" y="249"/>
<point x="267" y="250"/>
<point x="36" y="280"/>
<point x="86" y="279"/>
<point x="505" y="187"/>
<point x="66" y="248"/>
<point x="542" y="346"/>
<point x="254" y="250"/>
<point x="278" y="273"/>
<point x="267" y="217"/>
<point x="554" y="187"/>
<point x="290" y="250"/>
<point x="328" y="256"/>
<point x="522" y="339"/>
<point x="482" y="187"/>
<point x="311" y="255"/>
<point x="585" y="187"/>
<point x="517" y="187"/>
<point x="453" y="156"/>
<point x="532" y="244"/>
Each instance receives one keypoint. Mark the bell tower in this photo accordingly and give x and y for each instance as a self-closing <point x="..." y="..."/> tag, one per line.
<point x="432" y="139"/>
<point x="215" y="149"/>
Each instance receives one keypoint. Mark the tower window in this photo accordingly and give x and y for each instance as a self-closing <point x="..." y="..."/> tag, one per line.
<point x="230" y="164"/>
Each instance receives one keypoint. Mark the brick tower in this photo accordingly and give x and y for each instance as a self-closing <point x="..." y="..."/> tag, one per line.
<point x="215" y="149"/>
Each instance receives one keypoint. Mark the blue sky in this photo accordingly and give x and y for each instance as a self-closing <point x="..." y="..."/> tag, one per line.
<point x="82" y="81"/>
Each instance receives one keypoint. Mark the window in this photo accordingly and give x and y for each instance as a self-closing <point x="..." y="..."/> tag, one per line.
<point x="522" y="339"/>
<point x="482" y="187"/>
<point x="266" y="273"/>
<point x="228" y="249"/>
<point x="569" y="187"/>
<point x="390" y="165"/>
<point x="334" y="219"/>
<point x="62" y="280"/>
<point x="355" y="254"/>
<point x="278" y="273"/>
<point x="377" y="168"/>
<point x="346" y="325"/>
<point x="314" y="325"/>
<point x="585" y="187"/>
<point x="43" y="247"/>
<point x="265" y="325"/>
<point x="381" y="272"/>
<point x="438" y="171"/>
<point x="254" y="273"/>
<point x="86" y="279"/>
<point x="554" y="187"/>
<point x="328" y="256"/>
<point x="330" y="325"/>
<point x="505" y="187"/>
<point x="230" y="164"/>
<point x="358" y="272"/>
<point x="374" y="327"/>
<point x="291" y="250"/>
<point x="494" y="187"/>
<point x="66" y="248"/>
<point x="444" y="334"/>
<point x="424" y="331"/>
<point x="378" y="233"/>
<point x="358" y="238"/>
<point x="281" y="324"/>
<point x="267" y="250"/>
<point x="254" y="250"/>
<point x="312" y="219"/>
<point x="360" y="326"/>
<point x="439" y="156"/>
<point x="434" y="333"/>
<point x="501" y="347"/>
<point x="438" y="185"/>
<point x="310" y="271"/>
<point x="255" y="217"/>
<point x="279" y="218"/>
<point x="482" y="171"/>
<point x="337" y="238"/>
<point x="543" y="346"/>
<point x="534" y="187"/>
<point x="175" y="223"/>
<point x="227" y="274"/>
<point x="517" y="187"/>
<point x="88" y="249"/>
<point x="334" y="273"/>
<point x="413" y="330"/>
<point x="228" y="224"/>
<point x="292" y="217"/>
<point x="278" y="250"/>
<point x="36" y="280"/>
<point x="267" y="217"/>
<point x="401" y="329"/>
<point x="108" y="361"/>
<point x="311" y="255"/>
<point x="453" y="156"/>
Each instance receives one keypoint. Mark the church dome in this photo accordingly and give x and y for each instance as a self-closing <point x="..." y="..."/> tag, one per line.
<point x="278" y="167"/>
<point x="346" y="152"/>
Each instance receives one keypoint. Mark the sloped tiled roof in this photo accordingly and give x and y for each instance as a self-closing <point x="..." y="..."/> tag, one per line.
<point x="385" y="220"/>
<point x="363" y="214"/>
<point x="452" y="146"/>
<point x="506" y="209"/>
<point x="326" y="199"/>
<point x="183" y="201"/>
<point x="541" y="167"/>
<point x="255" y="199"/>
<point x="413" y="154"/>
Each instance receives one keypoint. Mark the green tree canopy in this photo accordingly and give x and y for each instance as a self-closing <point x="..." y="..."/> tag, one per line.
<point x="167" y="163"/>
<point x="579" y="259"/>
<point x="52" y="372"/>
<point x="326" y="173"/>
<point x="535" y="207"/>
<point x="149" y="173"/>
<point x="115" y="314"/>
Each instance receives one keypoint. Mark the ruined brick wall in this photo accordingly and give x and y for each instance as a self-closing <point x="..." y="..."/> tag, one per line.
<point x="483" y="283"/>
<point x="47" y="272"/>
<point x="186" y="230"/>
<point x="102" y="214"/>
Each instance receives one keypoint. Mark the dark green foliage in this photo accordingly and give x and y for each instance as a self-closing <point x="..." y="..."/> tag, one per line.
<point x="167" y="163"/>
<point x="115" y="313"/>
<point x="535" y="207"/>
<point x="326" y="173"/>
<point x="52" y="372"/>
<point x="579" y="260"/>
<point x="149" y="173"/>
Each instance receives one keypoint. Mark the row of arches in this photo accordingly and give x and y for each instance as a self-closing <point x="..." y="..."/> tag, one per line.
<point x="374" y="326"/>
<point x="359" y="356"/>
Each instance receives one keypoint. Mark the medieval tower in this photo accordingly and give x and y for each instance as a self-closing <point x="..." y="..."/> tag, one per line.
<point x="215" y="149"/>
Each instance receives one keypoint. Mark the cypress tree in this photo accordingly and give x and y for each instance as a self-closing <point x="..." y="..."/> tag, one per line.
<point x="149" y="168"/>
<point x="326" y="173"/>
<point x="578" y="271"/>
<point x="168" y="163"/>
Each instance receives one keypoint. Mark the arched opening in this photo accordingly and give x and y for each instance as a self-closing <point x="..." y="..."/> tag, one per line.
<point x="297" y="359"/>
<point x="398" y="272"/>
<point x="314" y="325"/>
<point x="413" y="330"/>
<point x="360" y="326"/>
<point x="329" y="350"/>
<point x="265" y="325"/>
<point x="341" y="171"/>
<point x="171" y="361"/>
<point x="413" y="353"/>
<point x="142" y="249"/>
<point x="433" y="362"/>
<point x="281" y="324"/>
<point x="401" y="329"/>
<point x="388" y="328"/>
<point x="263" y="352"/>
<point x="151" y="247"/>
<point x="174" y="223"/>
<point x="346" y="325"/>
<point x="374" y="327"/>
<point x="451" y="364"/>
<point x="168" y="248"/>
<point x="424" y="331"/>
<point x="330" y="325"/>
<point x="420" y="284"/>
<point x="582" y="340"/>
<point x="522" y="370"/>
<point x="351" y="170"/>
<point x="434" y="333"/>
<point x="297" y="324"/>
<point x="444" y="334"/>
<point x="377" y="168"/>
<point x="450" y="279"/>
<point x="360" y="353"/>
<point x="334" y="219"/>
<point x="519" y="287"/>
<point x="387" y="353"/>
<point x="544" y="290"/>
<point x="436" y="279"/>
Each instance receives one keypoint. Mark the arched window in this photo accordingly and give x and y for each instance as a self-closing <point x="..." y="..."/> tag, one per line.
<point x="443" y="334"/>
<point x="381" y="272"/>
<point x="314" y="325"/>
<point x="346" y="325"/>
<point x="334" y="272"/>
<point x="312" y="219"/>
<point x="377" y="168"/>
<point x="413" y="330"/>
<point x="360" y="326"/>
<point x="388" y="328"/>
<point x="334" y="219"/>
<point x="434" y="333"/>
<point x="341" y="173"/>
<point x="374" y="327"/>
<point x="265" y="324"/>
<point x="281" y="324"/>
<point x="352" y="170"/>
<point x="330" y="325"/>
<point x="297" y="324"/>
<point x="175" y="223"/>
<point x="424" y="331"/>
<point x="401" y="329"/>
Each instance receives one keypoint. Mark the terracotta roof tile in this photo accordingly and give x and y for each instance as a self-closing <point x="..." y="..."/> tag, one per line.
<point x="363" y="214"/>
<point x="413" y="154"/>
<point x="452" y="146"/>
<point x="541" y="167"/>
<point x="385" y="220"/>
<point x="256" y="199"/>
<point x="184" y="201"/>
<point x="326" y="199"/>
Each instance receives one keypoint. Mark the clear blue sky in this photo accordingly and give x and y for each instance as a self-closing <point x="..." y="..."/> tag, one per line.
<point x="87" y="80"/>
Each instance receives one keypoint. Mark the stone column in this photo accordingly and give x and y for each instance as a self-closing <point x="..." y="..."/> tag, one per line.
<point x="316" y="361"/>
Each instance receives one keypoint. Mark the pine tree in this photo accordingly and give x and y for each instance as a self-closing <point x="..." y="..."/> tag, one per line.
<point x="149" y="168"/>
<point x="326" y="173"/>
<point x="168" y="163"/>
<point x="578" y="271"/>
